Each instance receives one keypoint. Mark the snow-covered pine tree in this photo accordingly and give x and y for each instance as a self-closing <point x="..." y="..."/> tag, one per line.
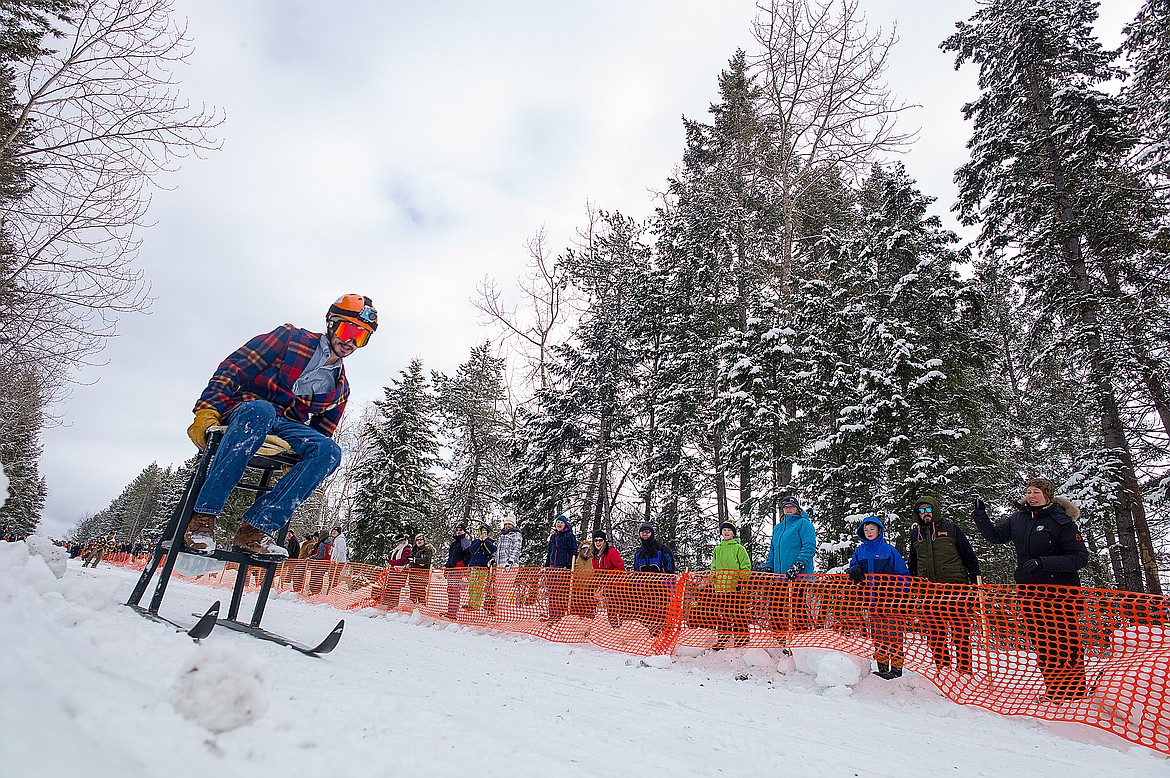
<point x="396" y="482"/>
<point x="475" y="429"/>
<point x="21" y="421"/>
<point x="719" y="239"/>
<point x="1147" y="47"/>
<point x="1047" y="153"/>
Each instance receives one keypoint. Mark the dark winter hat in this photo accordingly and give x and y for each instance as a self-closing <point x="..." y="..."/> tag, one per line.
<point x="645" y="527"/>
<point x="561" y="517"/>
<point x="789" y="500"/>
<point x="729" y="524"/>
<point x="599" y="535"/>
<point x="461" y="526"/>
<point x="1044" y="485"/>
<point x="420" y="536"/>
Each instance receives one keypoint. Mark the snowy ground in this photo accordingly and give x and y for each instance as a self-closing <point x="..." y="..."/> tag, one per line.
<point x="88" y="687"/>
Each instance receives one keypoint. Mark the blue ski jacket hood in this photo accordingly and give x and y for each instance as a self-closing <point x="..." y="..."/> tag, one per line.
<point x="877" y="555"/>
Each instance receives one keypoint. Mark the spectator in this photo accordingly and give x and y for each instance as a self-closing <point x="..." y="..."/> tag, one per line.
<point x="396" y="565"/>
<point x="511" y="541"/>
<point x="293" y="545"/>
<point x="875" y="556"/>
<point x="320" y="568"/>
<point x="481" y="554"/>
<point x="583" y="592"/>
<point x="422" y="556"/>
<point x="650" y="594"/>
<point x="1049" y="552"/>
<point x="340" y="551"/>
<point x="730" y="568"/>
<point x="941" y="553"/>
<point x="458" y="554"/>
<point x="612" y="584"/>
<point x="562" y="547"/>
<point x="794" y="543"/>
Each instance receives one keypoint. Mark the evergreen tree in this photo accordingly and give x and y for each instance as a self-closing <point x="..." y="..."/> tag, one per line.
<point x="1048" y="153"/>
<point x="21" y="421"/>
<point x="396" y="481"/>
<point x="476" y="429"/>
<point x="1147" y="45"/>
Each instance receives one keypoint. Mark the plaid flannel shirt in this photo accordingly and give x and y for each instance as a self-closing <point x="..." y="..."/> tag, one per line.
<point x="265" y="368"/>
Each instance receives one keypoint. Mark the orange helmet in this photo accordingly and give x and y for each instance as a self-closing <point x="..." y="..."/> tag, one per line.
<point x="358" y="311"/>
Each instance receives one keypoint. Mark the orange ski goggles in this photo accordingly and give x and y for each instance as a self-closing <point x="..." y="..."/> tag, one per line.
<point x="346" y="330"/>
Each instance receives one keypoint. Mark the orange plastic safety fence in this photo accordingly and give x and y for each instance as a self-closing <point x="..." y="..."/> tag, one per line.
<point x="1094" y="656"/>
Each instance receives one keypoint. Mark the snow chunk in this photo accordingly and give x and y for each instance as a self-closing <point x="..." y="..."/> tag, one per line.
<point x="660" y="661"/>
<point x="831" y="668"/>
<point x="758" y="657"/>
<point x="222" y="688"/>
<point x="56" y="558"/>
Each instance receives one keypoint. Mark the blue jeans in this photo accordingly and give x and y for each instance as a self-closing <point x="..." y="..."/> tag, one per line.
<point x="247" y="426"/>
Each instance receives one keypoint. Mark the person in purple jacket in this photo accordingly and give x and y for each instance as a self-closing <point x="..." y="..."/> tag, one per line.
<point x="290" y="383"/>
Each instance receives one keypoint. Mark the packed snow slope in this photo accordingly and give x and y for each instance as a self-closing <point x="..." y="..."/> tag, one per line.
<point x="91" y="688"/>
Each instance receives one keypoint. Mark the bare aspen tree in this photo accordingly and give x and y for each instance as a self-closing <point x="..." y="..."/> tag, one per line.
<point x="529" y="326"/>
<point x="822" y="76"/>
<point x="98" y="117"/>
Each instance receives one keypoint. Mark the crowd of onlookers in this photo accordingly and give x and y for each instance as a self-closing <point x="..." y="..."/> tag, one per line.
<point x="1041" y="526"/>
<point x="480" y="569"/>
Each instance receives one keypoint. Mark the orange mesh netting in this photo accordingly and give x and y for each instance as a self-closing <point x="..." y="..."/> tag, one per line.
<point x="1093" y="656"/>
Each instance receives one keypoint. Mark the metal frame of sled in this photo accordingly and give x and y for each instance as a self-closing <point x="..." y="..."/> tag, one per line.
<point x="172" y="539"/>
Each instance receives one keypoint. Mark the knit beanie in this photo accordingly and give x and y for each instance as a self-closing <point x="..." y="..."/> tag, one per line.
<point x="599" y="535"/>
<point x="729" y="524"/>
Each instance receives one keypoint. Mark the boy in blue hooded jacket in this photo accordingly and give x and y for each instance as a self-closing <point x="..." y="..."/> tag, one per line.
<point x="794" y="544"/>
<point x="875" y="556"/>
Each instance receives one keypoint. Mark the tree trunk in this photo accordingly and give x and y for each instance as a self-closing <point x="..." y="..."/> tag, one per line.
<point x="1136" y="546"/>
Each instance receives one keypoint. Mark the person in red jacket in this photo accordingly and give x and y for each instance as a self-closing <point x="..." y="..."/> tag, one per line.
<point x="606" y="557"/>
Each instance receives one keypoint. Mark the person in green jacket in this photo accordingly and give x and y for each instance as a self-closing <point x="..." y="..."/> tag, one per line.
<point x="730" y="568"/>
<point x="941" y="553"/>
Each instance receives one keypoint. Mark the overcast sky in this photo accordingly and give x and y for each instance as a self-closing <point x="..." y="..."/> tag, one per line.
<point x="405" y="150"/>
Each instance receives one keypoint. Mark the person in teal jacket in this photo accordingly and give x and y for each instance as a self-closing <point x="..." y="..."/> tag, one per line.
<point x="730" y="569"/>
<point x="794" y="543"/>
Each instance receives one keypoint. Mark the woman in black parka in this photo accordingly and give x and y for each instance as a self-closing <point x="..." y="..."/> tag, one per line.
<point x="1049" y="552"/>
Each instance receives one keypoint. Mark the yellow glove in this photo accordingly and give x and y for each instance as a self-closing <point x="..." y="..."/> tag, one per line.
<point x="205" y="418"/>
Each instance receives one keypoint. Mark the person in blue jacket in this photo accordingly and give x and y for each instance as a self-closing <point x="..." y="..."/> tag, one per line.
<point x="876" y="557"/>
<point x="794" y="543"/>
<point x="562" y="547"/>
<point x="480" y="553"/>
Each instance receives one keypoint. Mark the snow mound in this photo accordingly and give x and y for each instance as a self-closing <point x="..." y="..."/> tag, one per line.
<point x="660" y="661"/>
<point x="56" y="558"/>
<point x="831" y="668"/>
<point x="222" y="688"/>
<point x="24" y="569"/>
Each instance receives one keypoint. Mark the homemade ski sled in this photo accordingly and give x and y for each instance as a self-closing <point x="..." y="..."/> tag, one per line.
<point x="274" y="455"/>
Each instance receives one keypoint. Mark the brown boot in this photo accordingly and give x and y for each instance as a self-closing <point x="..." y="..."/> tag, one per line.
<point x="200" y="535"/>
<point x="252" y="541"/>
